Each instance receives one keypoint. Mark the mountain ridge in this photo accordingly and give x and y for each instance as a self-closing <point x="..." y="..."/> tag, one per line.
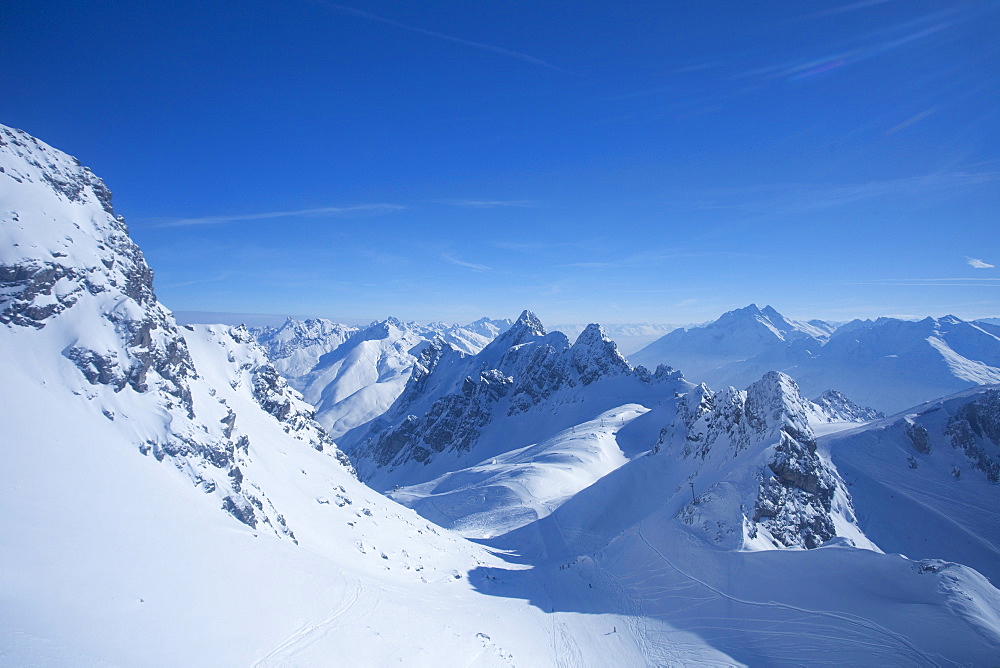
<point x="887" y="363"/>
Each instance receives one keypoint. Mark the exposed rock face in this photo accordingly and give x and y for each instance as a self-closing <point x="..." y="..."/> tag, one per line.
<point x="739" y="418"/>
<point x="918" y="435"/>
<point x="596" y="356"/>
<point x="71" y="270"/>
<point x="794" y="505"/>
<point x="836" y="407"/>
<point x="85" y="252"/>
<point x="968" y="422"/>
<point x="975" y="429"/>
<point x="790" y="495"/>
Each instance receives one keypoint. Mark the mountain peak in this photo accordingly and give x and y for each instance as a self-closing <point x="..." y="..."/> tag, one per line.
<point x="591" y="335"/>
<point x="526" y="327"/>
<point x="529" y="321"/>
<point x="771" y="313"/>
<point x="776" y="400"/>
<point x="596" y="356"/>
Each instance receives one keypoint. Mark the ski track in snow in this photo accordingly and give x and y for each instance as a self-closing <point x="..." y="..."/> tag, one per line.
<point x="309" y="633"/>
<point x="871" y="631"/>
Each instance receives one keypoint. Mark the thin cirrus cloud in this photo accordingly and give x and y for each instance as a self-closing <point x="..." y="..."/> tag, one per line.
<point x="800" y="198"/>
<point x="871" y="46"/>
<point x="855" y="6"/>
<point x="965" y="282"/>
<point x="486" y="203"/>
<point x="359" y="210"/>
<point x="462" y="263"/>
<point x="976" y="263"/>
<point x="482" y="46"/>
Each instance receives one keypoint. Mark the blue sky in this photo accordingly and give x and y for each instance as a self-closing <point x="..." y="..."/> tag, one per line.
<point x="613" y="162"/>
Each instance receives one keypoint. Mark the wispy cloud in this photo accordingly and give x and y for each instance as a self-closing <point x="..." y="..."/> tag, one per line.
<point x="359" y="210"/>
<point x="964" y="282"/>
<point x="462" y="263"/>
<point x="486" y="203"/>
<point x="976" y="263"/>
<point x="482" y="46"/>
<point x="654" y="258"/>
<point x="911" y="121"/>
<point x="593" y="265"/>
<point x="873" y="45"/>
<point x="536" y="247"/>
<point x="850" y="7"/>
<point x="793" y="198"/>
<point x="183" y="284"/>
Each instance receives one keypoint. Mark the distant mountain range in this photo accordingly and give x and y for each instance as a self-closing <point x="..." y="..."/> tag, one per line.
<point x="888" y="363"/>
<point x="353" y="374"/>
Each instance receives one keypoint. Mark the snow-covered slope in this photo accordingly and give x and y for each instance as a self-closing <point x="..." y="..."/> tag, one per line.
<point x="501" y="493"/>
<point x="926" y="479"/>
<point x="889" y="364"/>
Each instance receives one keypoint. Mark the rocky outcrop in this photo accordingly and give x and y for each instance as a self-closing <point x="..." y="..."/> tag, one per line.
<point x="975" y="429"/>
<point x="918" y="435"/>
<point x="795" y="503"/>
<point x="738" y="419"/>
<point x="761" y="442"/>
<point x="835" y="407"/>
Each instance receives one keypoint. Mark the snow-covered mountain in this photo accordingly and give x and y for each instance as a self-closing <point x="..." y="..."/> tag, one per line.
<point x="169" y="499"/>
<point x="833" y="406"/>
<point x="736" y="336"/>
<point x="297" y="345"/>
<point x="471" y="338"/>
<point x="523" y="387"/>
<point x="889" y="364"/>
<point x="753" y="452"/>
<point x="74" y="284"/>
<point x="630" y="337"/>
<point x="352" y="375"/>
